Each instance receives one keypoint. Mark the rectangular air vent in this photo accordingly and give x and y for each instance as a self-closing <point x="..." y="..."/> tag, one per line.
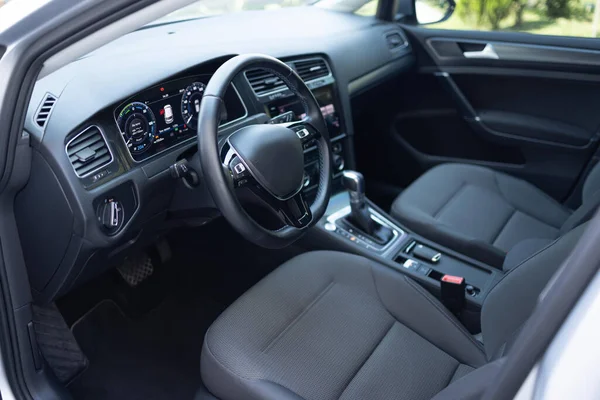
<point x="311" y="69"/>
<point x="88" y="151"/>
<point x="263" y="82"/>
<point x="394" y="40"/>
<point x="43" y="113"/>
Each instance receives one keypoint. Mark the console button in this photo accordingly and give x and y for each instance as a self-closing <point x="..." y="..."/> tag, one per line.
<point x="336" y="148"/>
<point x="306" y="182"/>
<point x="338" y="162"/>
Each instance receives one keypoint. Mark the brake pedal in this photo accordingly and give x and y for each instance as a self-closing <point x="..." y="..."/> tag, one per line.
<point x="136" y="269"/>
<point x="164" y="250"/>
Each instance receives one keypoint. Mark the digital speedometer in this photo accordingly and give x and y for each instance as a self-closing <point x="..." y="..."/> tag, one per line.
<point x="138" y="126"/>
<point x="190" y="103"/>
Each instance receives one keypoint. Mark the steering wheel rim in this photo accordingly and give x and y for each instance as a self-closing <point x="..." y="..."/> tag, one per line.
<point x="269" y="183"/>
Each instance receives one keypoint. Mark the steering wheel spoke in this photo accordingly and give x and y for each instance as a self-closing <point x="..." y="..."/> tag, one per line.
<point x="294" y="211"/>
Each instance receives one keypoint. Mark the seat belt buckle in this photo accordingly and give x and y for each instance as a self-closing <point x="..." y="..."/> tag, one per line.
<point x="453" y="292"/>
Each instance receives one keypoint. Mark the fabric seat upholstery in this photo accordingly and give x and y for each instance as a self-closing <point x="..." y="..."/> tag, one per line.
<point x="483" y="213"/>
<point x="329" y="325"/>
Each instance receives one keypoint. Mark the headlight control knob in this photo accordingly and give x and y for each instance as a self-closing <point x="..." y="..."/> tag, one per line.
<point x="111" y="215"/>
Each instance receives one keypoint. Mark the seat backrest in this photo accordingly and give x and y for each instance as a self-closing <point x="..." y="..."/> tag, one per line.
<point x="512" y="300"/>
<point x="590" y="196"/>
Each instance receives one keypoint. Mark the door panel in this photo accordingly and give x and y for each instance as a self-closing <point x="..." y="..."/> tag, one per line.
<point x="520" y="103"/>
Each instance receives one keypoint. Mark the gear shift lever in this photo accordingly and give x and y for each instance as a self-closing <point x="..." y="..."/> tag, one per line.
<point x="354" y="182"/>
<point x="360" y="215"/>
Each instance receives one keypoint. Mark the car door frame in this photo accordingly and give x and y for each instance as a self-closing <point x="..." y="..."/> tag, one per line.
<point x="558" y="58"/>
<point x="51" y="28"/>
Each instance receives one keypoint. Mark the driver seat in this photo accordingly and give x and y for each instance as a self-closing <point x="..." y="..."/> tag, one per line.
<point x="328" y="325"/>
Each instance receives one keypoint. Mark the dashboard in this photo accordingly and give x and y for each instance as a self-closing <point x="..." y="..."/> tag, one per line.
<point x="108" y="130"/>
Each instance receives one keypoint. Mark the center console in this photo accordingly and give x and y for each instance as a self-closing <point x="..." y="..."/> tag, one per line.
<point x="354" y="224"/>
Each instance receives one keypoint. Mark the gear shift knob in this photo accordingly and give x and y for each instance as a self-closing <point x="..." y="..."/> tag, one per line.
<point x="360" y="215"/>
<point x="354" y="182"/>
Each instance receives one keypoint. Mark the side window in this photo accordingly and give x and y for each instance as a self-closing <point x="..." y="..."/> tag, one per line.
<point x="579" y="18"/>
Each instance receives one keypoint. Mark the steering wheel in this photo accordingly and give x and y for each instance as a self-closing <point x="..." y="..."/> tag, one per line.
<point x="268" y="159"/>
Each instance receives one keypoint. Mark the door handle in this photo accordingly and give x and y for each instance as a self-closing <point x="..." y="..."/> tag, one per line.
<point x="488" y="52"/>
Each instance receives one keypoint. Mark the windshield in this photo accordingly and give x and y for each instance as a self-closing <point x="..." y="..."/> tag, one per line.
<point x="12" y="11"/>
<point x="209" y="8"/>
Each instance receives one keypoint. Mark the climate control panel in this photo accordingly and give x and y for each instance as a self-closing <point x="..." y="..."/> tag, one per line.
<point x="311" y="162"/>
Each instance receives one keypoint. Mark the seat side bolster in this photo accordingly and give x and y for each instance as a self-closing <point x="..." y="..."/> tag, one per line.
<point x="513" y="298"/>
<point x="415" y="308"/>
<point x="473" y="385"/>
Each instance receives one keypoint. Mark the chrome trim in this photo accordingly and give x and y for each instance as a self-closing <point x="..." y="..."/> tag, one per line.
<point x="285" y="87"/>
<point x="399" y="234"/>
<point x="186" y="141"/>
<point x="112" y="158"/>
<point x="525" y="52"/>
<point x="488" y="52"/>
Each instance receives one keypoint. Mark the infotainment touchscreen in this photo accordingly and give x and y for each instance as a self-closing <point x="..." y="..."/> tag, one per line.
<point x="326" y="100"/>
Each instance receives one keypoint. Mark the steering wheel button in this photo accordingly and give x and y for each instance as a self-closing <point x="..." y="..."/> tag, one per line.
<point x="302" y="133"/>
<point x="239" y="168"/>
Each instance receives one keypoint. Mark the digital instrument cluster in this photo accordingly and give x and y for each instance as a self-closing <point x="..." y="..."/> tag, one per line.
<point x="167" y="114"/>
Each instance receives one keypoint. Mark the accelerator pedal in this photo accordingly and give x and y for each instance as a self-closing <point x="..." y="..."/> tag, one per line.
<point x="136" y="269"/>
<point x="57" y="343"/>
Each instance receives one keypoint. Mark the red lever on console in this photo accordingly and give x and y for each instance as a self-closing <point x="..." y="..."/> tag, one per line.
<point x="453" y="279"/>
<point x="453" y="292"/>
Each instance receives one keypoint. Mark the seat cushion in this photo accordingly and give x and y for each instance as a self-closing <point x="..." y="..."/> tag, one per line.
<point x="329" y="325"/>
<point x="477" y="211"/>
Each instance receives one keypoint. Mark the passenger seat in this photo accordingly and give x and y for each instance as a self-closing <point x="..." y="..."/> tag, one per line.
<point x="484" y="214"/>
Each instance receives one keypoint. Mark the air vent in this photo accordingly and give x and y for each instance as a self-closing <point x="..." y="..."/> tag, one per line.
<point x="263" y="82"/>
<point x="88" y="151"/>
<point x="394" y="40"/>
<point x="311" y="69"/>
<point x="43" y="113"/>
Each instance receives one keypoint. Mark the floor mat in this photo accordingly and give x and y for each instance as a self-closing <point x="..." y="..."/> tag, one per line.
<point x="57" y="344"/>
<point x="156" y="356"/>
<point x="145" y="341"/>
